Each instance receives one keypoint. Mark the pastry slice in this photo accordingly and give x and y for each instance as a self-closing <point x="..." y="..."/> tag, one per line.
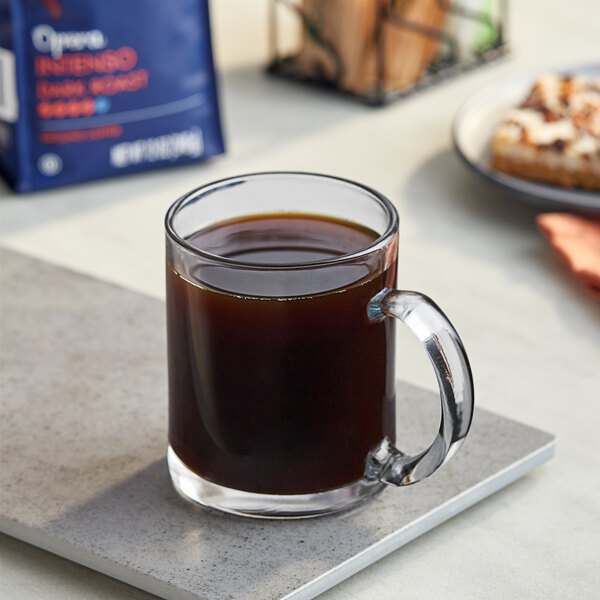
<point x="553" y="136"/>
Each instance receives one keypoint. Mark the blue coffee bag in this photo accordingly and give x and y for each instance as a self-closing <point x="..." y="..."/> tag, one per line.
<point x="96" y="88"/>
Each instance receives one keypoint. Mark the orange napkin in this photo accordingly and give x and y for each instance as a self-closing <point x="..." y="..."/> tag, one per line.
<point x="577" y="241"/>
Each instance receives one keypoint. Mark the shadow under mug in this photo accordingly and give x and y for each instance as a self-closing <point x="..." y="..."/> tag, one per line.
<point x="281" y="376"/>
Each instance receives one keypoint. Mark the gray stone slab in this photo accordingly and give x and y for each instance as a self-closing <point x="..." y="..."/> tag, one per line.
<point x="83" y="472"/>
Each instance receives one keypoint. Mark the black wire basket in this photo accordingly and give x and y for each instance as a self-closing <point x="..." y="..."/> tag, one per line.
<point x="379" y="51"/>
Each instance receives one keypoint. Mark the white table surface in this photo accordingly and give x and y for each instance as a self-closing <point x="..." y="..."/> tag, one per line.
<point x="532" y="332"/>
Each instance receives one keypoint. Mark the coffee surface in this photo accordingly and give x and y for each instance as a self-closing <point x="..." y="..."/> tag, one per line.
<point x="280" y="239"/>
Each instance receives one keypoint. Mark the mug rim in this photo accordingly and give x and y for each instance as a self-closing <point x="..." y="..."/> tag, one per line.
<point x="380" y="242"/>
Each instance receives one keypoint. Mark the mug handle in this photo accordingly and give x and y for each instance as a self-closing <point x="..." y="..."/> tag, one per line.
<point x="424" y="318"/>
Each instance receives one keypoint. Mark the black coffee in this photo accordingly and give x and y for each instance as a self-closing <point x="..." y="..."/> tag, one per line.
<point x="272" y="390"/>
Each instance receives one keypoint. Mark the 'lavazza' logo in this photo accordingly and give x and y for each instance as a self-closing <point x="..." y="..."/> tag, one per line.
<point x="46" y="40"/>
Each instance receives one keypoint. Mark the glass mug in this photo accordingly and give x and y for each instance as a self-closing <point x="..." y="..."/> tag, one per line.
<point x="281" y="312"/>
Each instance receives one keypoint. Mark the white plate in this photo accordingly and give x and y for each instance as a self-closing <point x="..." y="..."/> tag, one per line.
<point x="472" y="132"/>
